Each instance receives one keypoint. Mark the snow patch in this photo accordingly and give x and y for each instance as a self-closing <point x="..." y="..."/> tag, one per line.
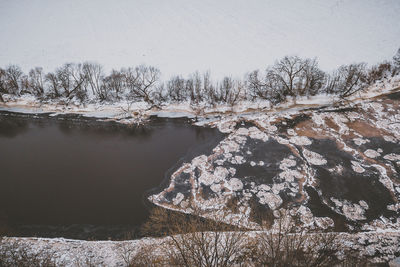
<point x="313" y="157"/>
<point x="235" y="184"/>
<point x="300" y="140"/>
<point x="370" y="153"/>
<point x="357" y="167"/>
<point x="392" y="157"/>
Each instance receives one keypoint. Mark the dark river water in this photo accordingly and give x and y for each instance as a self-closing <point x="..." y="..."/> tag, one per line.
<point x="75" y="177"/>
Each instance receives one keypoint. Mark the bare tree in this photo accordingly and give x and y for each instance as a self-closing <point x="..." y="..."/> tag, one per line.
<point x="208" y="88"/>
<point x="72" y="80"/>
<point x="351" y="79"/>
<point x="64" y="77"/>
<point x="3" y="88"/>
<point x="93" y="74"/>
<point x="294" y="76"/>
<point x="286" y="245"/>
<point x="141" y="82"/>
<point x="225" y="90"/>
<point x="36" y="81"/>
<point x="177" y="89"/>
<point x="24" y="85"/>
<point x="256" y="86"/>
<point x="229" y="91"/>
<point x="265" y="86"/>
<point x="287" y="72"/>
<point x="379" y="71"/>
<point x="13" y="79"/>
<point x="160" y="94"/>
<point x="198" y="88"/>
<point x="115" y="83"/>
<point x="189" y="87"/>
<point x="347" y="80"/>
<point x="331" y="83"/>
<point x="196" y="93"/>
<point x="80" y="82"/>
<point x="54" y="84"/>
<point x="311" y="79"/>
<point x="142" y="256"/>
<point x="396" y="61"/>
<point x="130" y="78"/>
<point x="290" y="76"/>
<point x="194" y="241"/>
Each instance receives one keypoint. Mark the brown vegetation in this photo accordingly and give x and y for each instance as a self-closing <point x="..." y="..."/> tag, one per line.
<point x="192" y="241"/>
<point x="16" y="253"/>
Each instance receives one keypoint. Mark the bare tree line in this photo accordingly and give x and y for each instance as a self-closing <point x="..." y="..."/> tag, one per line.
<point x="290" y="76"/>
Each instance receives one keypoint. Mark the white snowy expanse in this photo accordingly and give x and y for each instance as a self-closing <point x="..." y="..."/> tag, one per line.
<point x="227" y="37"/>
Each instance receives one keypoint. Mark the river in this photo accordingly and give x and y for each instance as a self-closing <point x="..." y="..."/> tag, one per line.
<point x="76" y="177"/>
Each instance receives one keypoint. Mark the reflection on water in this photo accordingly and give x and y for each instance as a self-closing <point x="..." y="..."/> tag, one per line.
<point x="80" y="178"/>
<point x="12" y="128"/>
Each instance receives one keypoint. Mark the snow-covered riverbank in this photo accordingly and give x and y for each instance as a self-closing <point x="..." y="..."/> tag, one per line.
<point x="378" y="246"/>
<point x="136" y="112"/>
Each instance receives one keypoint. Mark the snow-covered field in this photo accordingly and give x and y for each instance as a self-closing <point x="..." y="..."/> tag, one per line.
<point x="182" y="36"/>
